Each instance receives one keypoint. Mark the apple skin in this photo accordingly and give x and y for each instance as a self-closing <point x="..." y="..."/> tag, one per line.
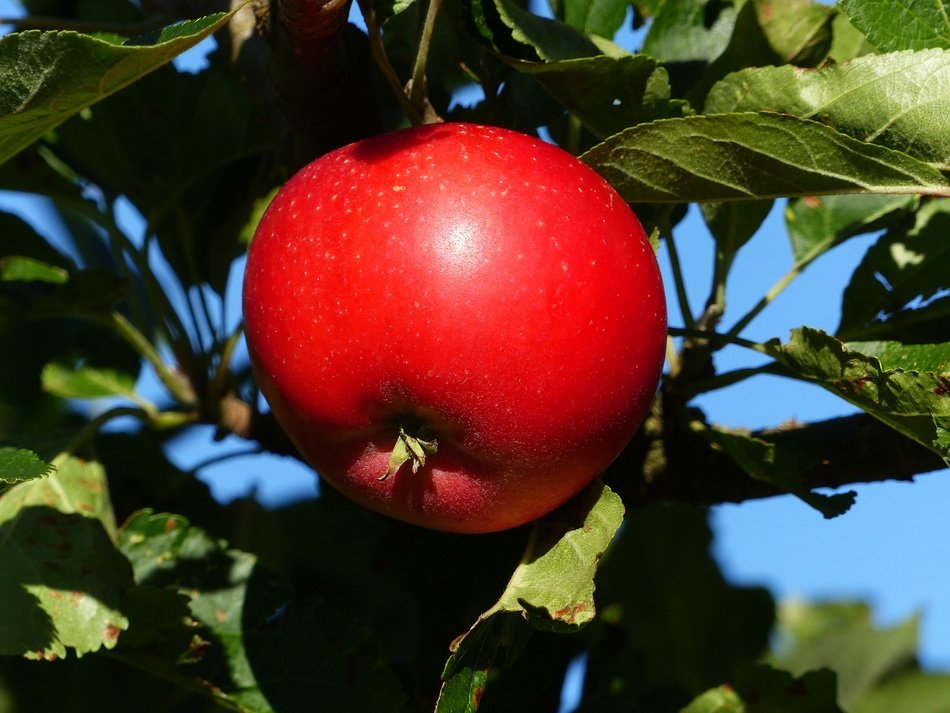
<point x="473" y="281"/>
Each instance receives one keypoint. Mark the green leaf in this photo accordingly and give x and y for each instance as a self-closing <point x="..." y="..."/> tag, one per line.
<point x="744" y="156"/>
<point x="77" y="486"/>
<point x="798" y="31"/>
<point x="646" y="8"/>
<point x="914" y="403"/>
<point x="817" y="224"/>
<point x="386" y="9"/>
<point x="195" y="180"/>
<point x="917" y="691"/>
<point x="594" y="17"/>
<point x="902" y="24"/>
<point x="847" y="40"/>
<point x="733" y="225"/>
<point x="85" y="293"/>
<point x="769" y="690"/>
<point x="913" y="357"/>
<point x="762" y="689"/>
<point x="553" y="586"/>
<point x="46" y="77"/>
<point x="683" y="31"/>
<point x="899" y="100"/>
<point x="717" y="700"/>
<point x="62" y="577"/>
<point x="899" y="291"/>
<point x="258" y="206"/>
<point x="19" y="464"/>
<point x="25" y="255"/>
<point x="87" y="382"/>
<point x="552" y="589"/>
<point x="16" y="268"/>
<point x="673" y="627"/>
<point x="842" y="637"/>
<point x="549" y="39"/>
<point x="261" y="647"/>
<point x="779" y="466"/>
<point x="607" y="93"/>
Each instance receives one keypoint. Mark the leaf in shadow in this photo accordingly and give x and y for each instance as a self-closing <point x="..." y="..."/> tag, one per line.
<point x="62" y="584"/>
<point x="671" y="626"/>
<point x="901" y="289"/>
<point x="777" y="465"/>
<point x="260" y="647"/>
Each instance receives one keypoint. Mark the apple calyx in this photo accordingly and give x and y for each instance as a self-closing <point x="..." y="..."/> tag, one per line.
<point x="411" y="449"/>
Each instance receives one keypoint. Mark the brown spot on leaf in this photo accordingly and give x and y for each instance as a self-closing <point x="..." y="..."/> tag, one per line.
<point x="852" y="385"/>
<point x="93" y="485"/>
<point x="477" y="694"/>
<point x="569" y="613"/>
<point x="110" y="633"/>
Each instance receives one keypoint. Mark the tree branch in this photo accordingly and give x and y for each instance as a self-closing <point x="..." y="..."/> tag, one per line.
<point x="848" y="450"/>
<point x="323" y="73"/>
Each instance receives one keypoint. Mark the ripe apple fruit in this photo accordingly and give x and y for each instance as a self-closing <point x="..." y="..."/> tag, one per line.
<point x="458" y="326"/>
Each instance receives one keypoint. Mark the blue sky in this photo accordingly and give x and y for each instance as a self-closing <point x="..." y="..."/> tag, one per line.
<point x="890" y="550"/>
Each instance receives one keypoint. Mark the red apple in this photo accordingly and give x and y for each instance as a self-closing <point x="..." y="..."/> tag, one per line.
<point x="458" y="326"/>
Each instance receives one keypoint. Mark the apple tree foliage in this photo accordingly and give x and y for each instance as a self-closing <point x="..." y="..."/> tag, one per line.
<point x="124" y="585"/>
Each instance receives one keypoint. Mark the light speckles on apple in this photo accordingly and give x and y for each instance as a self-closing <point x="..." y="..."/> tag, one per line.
<point x="460" y="246"/>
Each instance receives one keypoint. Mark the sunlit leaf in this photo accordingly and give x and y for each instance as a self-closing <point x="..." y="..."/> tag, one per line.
<point x="746" y="156"/>
<point x="902" y="24"/>
<point x="16" y="268"/>
<point x="914" y="403"/>
<point x="900" y="100"/>
<point x="46" y="77"/>
<point x="86" y="382"/>
<point x="552" y="588"/>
